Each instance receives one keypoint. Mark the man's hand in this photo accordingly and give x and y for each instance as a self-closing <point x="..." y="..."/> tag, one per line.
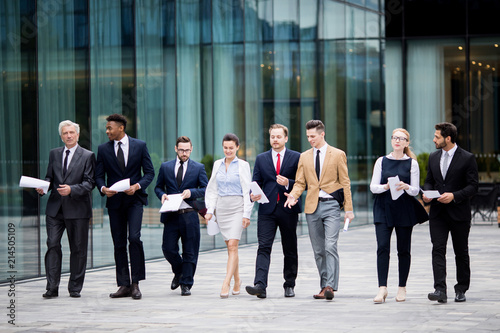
<point x="426" y="200"/>
<point x="186" y="194"/>
<point x="64" y="190"/>
<point x="132" y="189"/>
<point x="282" y="180"/>
<point x="109" y="193"/>
<point x="163" y="198"/>
<point x="246" y="222"/>
<point x="290" y="200"/>
<point x="349" y="215"/>
<point x="446" y="198"/>
<point x="255" y="197"/>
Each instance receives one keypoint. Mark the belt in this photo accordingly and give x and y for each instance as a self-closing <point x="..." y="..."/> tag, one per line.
<point x="187" y="210"/>
<point x="325" y="199"/>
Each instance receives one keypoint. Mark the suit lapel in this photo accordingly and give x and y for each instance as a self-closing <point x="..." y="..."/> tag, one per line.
<point x="189" y="170"/>
<point x="326" y="162"/>
<point x="58" y="163"/>
<point x="269" y="158"/>
<point x="454" y="161"/>
<point x="74" y="161"/>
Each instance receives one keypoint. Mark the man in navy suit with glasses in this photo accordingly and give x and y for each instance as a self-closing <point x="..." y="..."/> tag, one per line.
<point x="188" y="178"/>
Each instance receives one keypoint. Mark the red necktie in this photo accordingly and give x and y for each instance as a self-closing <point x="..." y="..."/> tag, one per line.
<point x="278" y="172"/>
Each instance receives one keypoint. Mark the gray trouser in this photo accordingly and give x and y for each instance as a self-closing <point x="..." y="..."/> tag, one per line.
<point x="324" y="226"/>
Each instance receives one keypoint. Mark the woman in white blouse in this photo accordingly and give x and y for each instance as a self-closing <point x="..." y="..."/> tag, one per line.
<point x="400" y="214"/>
<point x="227" y="195"/>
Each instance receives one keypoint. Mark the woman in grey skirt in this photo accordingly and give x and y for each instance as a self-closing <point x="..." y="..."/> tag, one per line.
<point x="227" y="195"/>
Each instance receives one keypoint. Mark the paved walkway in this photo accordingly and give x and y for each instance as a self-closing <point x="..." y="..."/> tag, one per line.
<point x="352" y="309"/>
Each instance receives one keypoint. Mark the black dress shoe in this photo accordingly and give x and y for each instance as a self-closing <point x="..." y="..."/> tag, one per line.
<point x="438" y="295"/>
<point x="121" y="292"/>
<point x="185" y="290"/>
<point x="289" y="292"/>
<point x="460" y="296"/>
<point x="74" y="294"/>
<point x="256" y="290"/>
<point x="50" y="294"/>
<point x="135" y="292"/>
<point x="175" y="282"/>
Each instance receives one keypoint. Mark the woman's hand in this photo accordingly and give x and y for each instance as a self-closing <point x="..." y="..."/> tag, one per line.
<point x="246" y="222"/>
<point x="208" y="217"/>
<point x="402" y="186"/>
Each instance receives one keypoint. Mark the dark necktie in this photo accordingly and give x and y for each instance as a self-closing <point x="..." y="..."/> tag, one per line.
<point x="120" y="157"/>
<point x="278" y="171"/>
<point x="317" y="164"/>
<point x="180" y="171"/>
<point x="65" y="166"/>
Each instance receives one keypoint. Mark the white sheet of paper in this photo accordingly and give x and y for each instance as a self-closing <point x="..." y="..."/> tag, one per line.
<point x="256" y="190"/>
<point x="393" y="181"/>
<point x="31" y="182"/>
<point x="431" y="194"/>
<point x="212" y="226"/>
<point x="346" y="225"/>
<point x="172" y="204"/>
<point x="121" y="186"/>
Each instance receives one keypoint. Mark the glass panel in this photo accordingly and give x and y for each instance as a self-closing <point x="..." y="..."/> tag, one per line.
<point x="484" y="106"/>
<point x="332" y="23"/>
<point x="434" y="88"/>
<point x="308" y="19"/>
<point x="393" y="89"/>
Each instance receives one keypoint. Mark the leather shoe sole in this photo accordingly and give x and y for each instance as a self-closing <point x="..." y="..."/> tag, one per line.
<point x="50" y="294"/>
<point x="438" y="296"/>
<point x="256" y="291"/>
<point x="460" y="297"/>
<point x="121" y="292"/>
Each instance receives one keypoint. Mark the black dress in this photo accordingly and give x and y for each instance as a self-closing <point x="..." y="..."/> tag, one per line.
<point x="406" y="211"/>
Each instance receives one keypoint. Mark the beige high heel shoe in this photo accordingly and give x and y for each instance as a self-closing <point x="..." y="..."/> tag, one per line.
<point x="381" y="296"/>
<point x="401" y="296"/>
<point x="236" y="292"/>
<point x="225" y="295"/>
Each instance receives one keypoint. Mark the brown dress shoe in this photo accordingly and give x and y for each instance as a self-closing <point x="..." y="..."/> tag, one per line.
<point x="135" y="292"/>
<point x="329" y="293"/>
<point x="121" y="292"/>
<point x="321" y="294"/>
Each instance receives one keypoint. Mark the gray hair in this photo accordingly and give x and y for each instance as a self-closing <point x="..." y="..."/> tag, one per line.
<point x="65" y="123"/>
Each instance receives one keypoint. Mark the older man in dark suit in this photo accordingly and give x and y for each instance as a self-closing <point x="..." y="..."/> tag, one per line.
<point x="120" y="158"/>
<point x="188" y="178"/>
<point x="453" y="172"/>
<point x="71" y="176"/>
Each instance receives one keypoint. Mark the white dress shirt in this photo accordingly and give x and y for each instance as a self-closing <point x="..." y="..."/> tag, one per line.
<point x="125" y="147"/>
<point x="275" y="159"/>
<point x="450" y="153"/>
<point x="322" y="155"/>
<point x="183" y="205"/>
<point x="70" y="156"/>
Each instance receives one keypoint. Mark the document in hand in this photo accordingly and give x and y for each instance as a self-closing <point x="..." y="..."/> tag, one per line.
<point x="31" y="182"/>
<point x="431" y="194"/>
<point x="212" y="226"/>
<point x="121" y="185"/>
<point x="393" y="182"/>
<point x="256" y="190"/>
<point x="172" y="204"/>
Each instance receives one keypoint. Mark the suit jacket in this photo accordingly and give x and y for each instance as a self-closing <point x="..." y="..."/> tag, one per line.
<point x="264" y="173"/>
<point x="461" y="180"/>
<point x="194" y="180"/>
<point x="79" y="176"/>
<point x="245" y="179"/>
<point x="138" y="162"/>
<point x="334" y="176"/>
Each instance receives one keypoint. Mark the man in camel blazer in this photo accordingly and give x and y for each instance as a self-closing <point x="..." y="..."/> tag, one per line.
<point x="323" y="170"/>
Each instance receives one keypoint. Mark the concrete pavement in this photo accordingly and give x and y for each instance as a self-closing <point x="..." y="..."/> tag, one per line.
<point x="352" y="309"/>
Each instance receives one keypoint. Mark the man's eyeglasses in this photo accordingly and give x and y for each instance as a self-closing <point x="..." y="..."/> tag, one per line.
<point x="183" y="151"/>
<point x="399" y="138"/>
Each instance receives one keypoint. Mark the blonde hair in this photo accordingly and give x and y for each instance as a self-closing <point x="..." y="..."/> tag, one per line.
<point x="407" y="149"/>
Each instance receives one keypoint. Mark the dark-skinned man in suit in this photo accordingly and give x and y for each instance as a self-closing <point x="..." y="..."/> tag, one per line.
<point x="71" y="176"/>
<point x="120" y="158"/>
<point x="453" y="172"/>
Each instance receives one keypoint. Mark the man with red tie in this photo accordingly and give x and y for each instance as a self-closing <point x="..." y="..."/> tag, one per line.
<point x="274" y="171"/>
